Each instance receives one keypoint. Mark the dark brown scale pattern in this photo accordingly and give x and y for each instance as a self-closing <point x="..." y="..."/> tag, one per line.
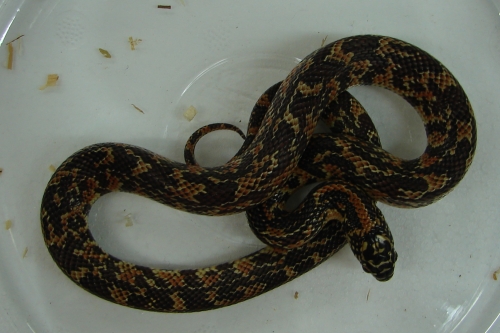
<point x="248" y="179"/>
<point x="333" y="201"/>
<point x="196" y="136"/>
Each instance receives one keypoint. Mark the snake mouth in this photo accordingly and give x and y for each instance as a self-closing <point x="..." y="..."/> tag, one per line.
<point x="383" y="272"/>
<point x="385" y="277"/>
<point x="381" y="275"/>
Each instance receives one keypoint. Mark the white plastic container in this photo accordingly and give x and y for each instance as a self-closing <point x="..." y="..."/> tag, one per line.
<point x="219" y="56"/>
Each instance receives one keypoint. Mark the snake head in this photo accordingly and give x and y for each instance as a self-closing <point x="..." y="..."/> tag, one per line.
<point x="375" y="251"/>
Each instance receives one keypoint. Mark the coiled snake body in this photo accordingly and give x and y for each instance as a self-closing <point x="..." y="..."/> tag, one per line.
<point x="275" y="158"/>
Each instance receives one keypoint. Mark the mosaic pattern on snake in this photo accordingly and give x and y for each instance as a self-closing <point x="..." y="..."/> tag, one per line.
<point x="347" y="116"/>
<point x="270" y="268"/>
<point x="265" y="166"/>
<point x="292" y="230"/>
<point x="107" y="159"/>
<point x="302" y="67"/>
<point x="337" y="53"/>
<point x="83" y="272"/>
<point x="361" y="211"/>
<point x="184" y="188"/>
<point x="53" y="239"/>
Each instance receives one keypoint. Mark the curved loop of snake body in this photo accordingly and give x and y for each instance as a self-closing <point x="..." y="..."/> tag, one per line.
<point x="253" y="177"/>
<point x="334" y="201"/>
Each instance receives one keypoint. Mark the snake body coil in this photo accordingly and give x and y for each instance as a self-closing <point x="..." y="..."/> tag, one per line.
<point x="268" y="162"/>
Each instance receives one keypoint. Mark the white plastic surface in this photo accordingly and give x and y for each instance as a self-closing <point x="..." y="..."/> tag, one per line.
<point x="497" y="4"/>
<point x="219" y="56"/>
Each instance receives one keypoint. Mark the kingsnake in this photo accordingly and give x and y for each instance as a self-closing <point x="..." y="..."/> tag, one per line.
<point x="277" y="155"/>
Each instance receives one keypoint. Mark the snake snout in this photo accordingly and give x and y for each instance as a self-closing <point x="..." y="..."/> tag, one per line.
<point x="383" y="273"/>
<point x="378" y="256"/>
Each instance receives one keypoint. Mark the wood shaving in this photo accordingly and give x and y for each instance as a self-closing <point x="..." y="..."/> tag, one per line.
<point x="323" y="41"/>
<point x="129" y="220"/>
<point x="10" y="60"/>
<point x="190" y="113"/>
<point x="133" y="42"/>
<point x="296" y="295"/>
<point x="52" y="168"/>
<point x="105" y="53"/>
<point x="8" y="224"/>
<point x="135" y="107"/>
<point x="51" y="81"/>
<point x="10" y="50"/>
<point x="12" y="41"/>
<point x="25" y="252"/>
<point x="495" y="274"/>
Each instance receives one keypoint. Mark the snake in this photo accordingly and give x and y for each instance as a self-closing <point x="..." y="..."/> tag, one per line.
<point x="255" y="175"/>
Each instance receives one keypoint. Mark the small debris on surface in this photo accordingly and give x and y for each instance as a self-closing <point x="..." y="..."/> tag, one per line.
<point x="25" y="252"/>
<point x="10" y="60"/>
<point x="495" y="274"/>
<point x="52" y="168"/>
<point x="135" y="107"/>
<point x="10" y="50"/>
<point x="129" y="220"/>
<point x="105" y="53"/>
<point x="51" y="81"/>
<point x="133" y="42"/>
<point x="296" y="295"/>
<point x="12" y="41"/>
<point x="190" y="113"/>
<point x="8" y="224"/>
<point x="164" y="7"/>
<point x="323" y="41"/>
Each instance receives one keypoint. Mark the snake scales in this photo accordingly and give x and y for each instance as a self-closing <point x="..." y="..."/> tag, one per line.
<point x="280" y="153"/>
